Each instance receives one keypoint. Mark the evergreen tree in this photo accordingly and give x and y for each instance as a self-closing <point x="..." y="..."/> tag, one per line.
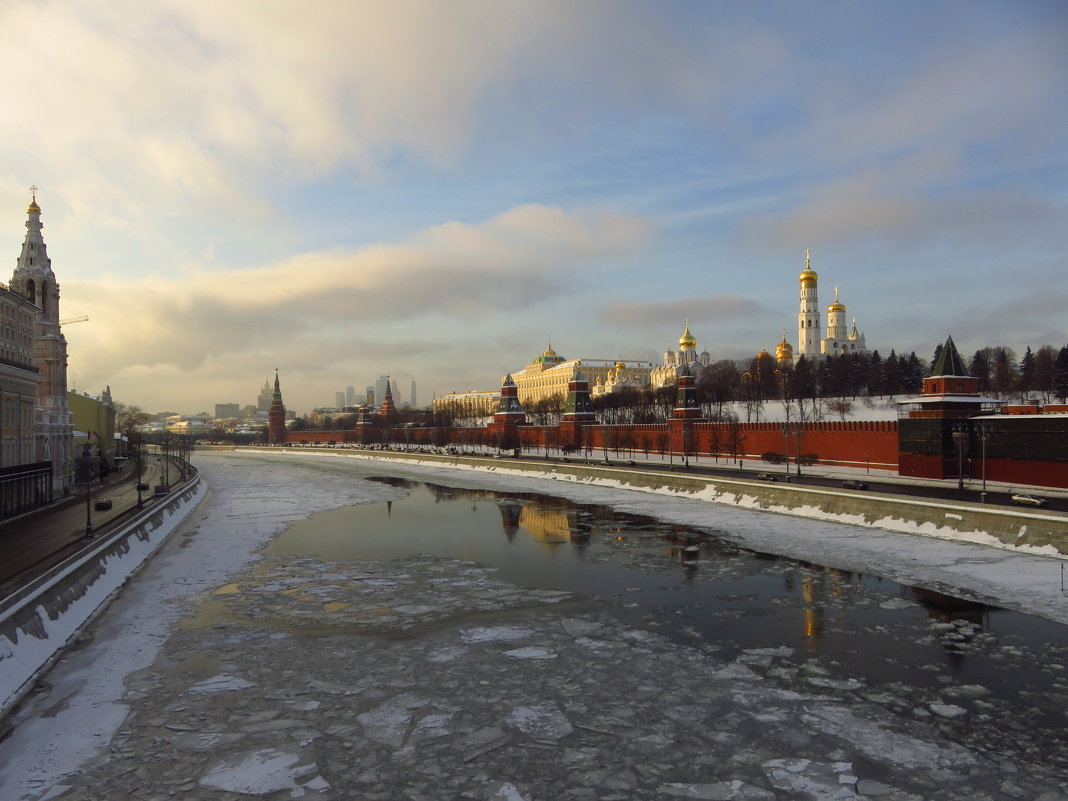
<point x="1060" y="375"/>
<point x="980" y="368"/>
<point x="892" y="376"/>
<point x="876" y="385"/>
<point x="1045" y="359"/>
<point x="1026" y="381"/>
<point x="913" y="374"/>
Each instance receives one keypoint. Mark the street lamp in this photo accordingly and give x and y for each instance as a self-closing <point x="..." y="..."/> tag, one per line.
<point x="137" y="478"/>
<point x="786" y="436"/>
<point x="87" y="473"/>
<point x="983" y="429"/>
<point x="960" y="437"/>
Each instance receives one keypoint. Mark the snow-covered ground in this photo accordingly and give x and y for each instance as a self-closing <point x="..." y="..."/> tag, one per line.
<point x="219" y="670"/>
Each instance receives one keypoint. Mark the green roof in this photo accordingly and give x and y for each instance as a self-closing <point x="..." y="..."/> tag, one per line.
<point x="949" y="361"/>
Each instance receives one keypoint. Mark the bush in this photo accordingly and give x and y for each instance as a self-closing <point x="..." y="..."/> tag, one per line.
<point x="771" y="457"/>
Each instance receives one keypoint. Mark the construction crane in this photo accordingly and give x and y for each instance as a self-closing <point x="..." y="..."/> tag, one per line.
<point x="81" y="318"/>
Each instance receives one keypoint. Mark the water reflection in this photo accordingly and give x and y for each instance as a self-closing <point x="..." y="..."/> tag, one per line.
<point x="695" y="585"/>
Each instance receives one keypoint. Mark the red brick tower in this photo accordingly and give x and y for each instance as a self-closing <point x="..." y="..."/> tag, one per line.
<point x="276" y="416"/>
<point x="388" y="411"/>
<point x="508" y="417"/>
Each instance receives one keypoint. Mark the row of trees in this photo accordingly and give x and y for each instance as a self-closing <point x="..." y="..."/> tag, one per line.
<point x="1041" y="374"/>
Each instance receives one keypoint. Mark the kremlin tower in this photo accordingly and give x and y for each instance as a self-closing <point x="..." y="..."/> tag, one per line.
<point x="276" y="416"/>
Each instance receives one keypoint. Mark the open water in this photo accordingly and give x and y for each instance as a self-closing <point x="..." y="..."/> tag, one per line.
<point x="999" y="677"/>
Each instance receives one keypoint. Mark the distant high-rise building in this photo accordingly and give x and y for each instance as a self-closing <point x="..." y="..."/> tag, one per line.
<point x="370" y="390"/>
<point x="224" y="410"/>
<point x="381" y="385"/>
<point x="263" y="402"/>
<point x="350" y="395"/>
<point x="339" y="399"/>
<point x="413" y="402"/>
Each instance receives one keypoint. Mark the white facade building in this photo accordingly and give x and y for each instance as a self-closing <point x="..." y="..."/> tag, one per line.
<point x="811" y="342"/>
<point x="667" y="374"/>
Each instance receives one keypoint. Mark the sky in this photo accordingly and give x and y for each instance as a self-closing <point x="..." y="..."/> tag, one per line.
<point x="436" y="191"/>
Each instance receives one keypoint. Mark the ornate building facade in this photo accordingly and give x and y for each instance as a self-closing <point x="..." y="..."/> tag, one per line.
<point x="667" y="374"/>
<point x="34" y="280"/>
<point x="811" y="342"/>
<point x="549" y="374"/>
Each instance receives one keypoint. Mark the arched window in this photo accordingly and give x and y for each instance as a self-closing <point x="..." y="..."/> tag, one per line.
<point x="31" y="290"/>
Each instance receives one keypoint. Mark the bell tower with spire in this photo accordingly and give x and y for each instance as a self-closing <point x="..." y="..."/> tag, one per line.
<point x="809" y="332"/>
<point x="34" y="280"/>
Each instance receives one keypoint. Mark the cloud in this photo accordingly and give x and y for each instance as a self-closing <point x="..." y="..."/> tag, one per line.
<point x="321" y="304"/>
<point x="627" y="314"/>
<point x="882" y="207"/>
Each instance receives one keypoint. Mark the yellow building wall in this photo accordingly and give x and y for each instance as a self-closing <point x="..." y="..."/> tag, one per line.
<point x="91" y="414"/>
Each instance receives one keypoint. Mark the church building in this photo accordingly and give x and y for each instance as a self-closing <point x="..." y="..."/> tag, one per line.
<point x="34" y="280"/>
<point x="811" y="341"/>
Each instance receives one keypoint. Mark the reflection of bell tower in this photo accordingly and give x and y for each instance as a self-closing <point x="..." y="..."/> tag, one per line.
<point x="510" y="514"/>
<point x="811" y="590"/>
<point x="34" y="279"/>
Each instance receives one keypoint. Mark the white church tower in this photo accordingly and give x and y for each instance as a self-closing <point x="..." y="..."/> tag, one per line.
<point x="809" y="330"/>
<point x="33" y="279"/>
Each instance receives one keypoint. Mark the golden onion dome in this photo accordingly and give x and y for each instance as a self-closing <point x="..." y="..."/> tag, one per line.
<point x="33" y="208"/>
<point x="837" y="306"/>
<point x="808" y="276"/>
<point x="620" y="366"/>
<point x="763" y="353"/>
<point x="784" y="350"/>
<point x="687" y="340"/>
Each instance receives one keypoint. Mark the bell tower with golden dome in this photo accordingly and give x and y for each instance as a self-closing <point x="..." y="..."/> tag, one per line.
<point x="34" y="280"/>
<point x="809" y="328"/>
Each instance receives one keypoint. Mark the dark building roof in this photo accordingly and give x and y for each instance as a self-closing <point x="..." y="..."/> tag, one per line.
<point x="949" y="361"/>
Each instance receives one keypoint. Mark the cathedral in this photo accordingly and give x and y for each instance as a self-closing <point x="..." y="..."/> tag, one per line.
<point x="34" y="280"/>
<point x="667" y="374"/>
<point x="811" y="342"/>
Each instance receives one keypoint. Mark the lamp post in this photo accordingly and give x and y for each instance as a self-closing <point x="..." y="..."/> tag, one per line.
<point x="137" y="478"/>
<point x="983" y="429"/>
<point x="87" y="472"/>
<point x="786" y="436"/>
<point x="960" y="437"/>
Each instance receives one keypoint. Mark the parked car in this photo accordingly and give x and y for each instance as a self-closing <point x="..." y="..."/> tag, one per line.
<point x="852" y="483"/>
<point x="102" y="504"/>
<point x="142" y="487"/>
<point x="1023" y="499"/>
<point x="767" y="477"/>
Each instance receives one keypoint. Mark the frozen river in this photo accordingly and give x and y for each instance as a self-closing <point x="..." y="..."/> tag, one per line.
<point x="333" y="628"/>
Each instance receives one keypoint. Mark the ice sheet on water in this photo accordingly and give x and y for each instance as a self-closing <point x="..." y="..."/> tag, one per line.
<point x="495" y="633"/>
<point x="541" y="721"/>
<point x="819" y="781"/>
<point x="532" y="652"/>
<point x="882" y="745"/>
<point x="223" y="683"/>
<point x="269" y="770"/>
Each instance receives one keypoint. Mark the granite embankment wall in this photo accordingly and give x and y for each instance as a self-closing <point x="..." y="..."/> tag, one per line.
<point x="37" y="621"/>
<point x="1038" y="532"/>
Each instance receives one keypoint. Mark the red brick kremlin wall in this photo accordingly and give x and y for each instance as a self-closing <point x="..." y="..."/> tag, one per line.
<point x="853" y="444"/>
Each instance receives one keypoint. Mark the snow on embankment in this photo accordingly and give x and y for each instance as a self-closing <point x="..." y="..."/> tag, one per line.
<point x="38" y="621"/>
